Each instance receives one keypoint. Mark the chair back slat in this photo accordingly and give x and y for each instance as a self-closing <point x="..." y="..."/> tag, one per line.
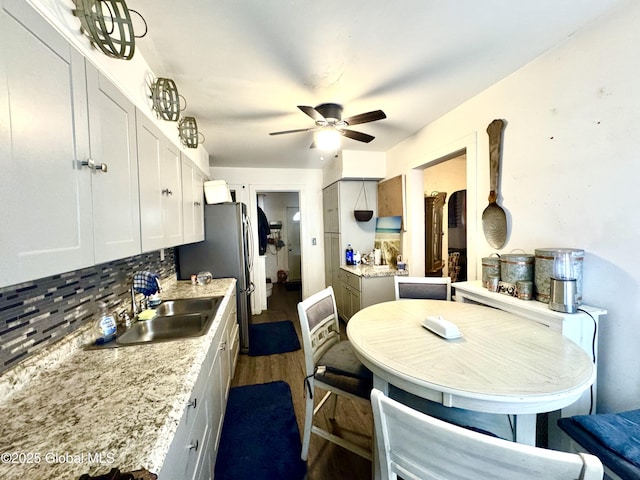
<point x="424" y="291"/>
<point x="422" y="288"/>
<point x="414" y="445"/>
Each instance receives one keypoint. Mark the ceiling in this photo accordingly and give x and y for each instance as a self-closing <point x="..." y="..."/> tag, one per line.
<point x="243" y="66"/>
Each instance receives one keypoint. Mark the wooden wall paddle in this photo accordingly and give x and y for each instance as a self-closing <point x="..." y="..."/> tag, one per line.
<point x="494" y="220"/>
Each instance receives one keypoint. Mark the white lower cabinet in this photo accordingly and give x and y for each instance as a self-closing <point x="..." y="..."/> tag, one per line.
<point x="358" y="292"/>
<point x="192" y="453"/>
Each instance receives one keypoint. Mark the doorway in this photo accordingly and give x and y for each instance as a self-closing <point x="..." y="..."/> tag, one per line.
<point x="282" y="256"/>
<point x="446" y="179"/>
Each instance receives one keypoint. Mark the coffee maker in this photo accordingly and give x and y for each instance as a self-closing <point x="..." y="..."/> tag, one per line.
<point x="563" y="292"/>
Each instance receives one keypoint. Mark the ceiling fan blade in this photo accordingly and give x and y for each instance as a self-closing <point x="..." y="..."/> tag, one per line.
<point x="365" y="117"/>
<point x="312" y="112"/>
<point x="292" y="131"/>
<point x="359" y="136"/>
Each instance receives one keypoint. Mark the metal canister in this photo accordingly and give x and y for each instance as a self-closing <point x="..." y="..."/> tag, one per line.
<point x="524" y="290"/>
<point x="516" y="266"/>
<point x="544" y="270"/>
<point x="490" y="267"/>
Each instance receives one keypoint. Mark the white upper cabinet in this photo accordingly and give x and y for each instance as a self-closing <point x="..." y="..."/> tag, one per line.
<point x="192" y="201"/>
<point x="172" y="196"/>
<point x="160" y="172"/>
<point x="116" y="204"/>
<point x="45" y="192"/>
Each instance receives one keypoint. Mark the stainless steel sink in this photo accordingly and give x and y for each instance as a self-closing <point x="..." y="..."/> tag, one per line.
<point x="169" y="308"/>
<point x="164" y="328"/>
<point x="174" y="319"/>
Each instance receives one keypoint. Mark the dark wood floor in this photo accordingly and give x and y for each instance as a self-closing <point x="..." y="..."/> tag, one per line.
<point x="326" y="460"/>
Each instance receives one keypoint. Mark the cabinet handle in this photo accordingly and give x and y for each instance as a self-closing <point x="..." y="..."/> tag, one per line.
<point x="98" y="167"/>
<point x="192" y="403"/>
<point x="193" y="446"/>
<point x="167" y="192"/>
<point x="197" y="204"/>
<point x="223" y="346"/>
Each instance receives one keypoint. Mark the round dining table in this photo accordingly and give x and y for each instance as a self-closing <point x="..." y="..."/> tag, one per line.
<point x="500" y="363"/>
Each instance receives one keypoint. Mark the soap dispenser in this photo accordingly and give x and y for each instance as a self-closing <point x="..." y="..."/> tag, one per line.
<point x="105" y="327"/>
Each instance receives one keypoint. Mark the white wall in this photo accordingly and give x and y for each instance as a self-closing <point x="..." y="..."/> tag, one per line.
<point x="308" y="183"/>
<point x="569" y="175"/>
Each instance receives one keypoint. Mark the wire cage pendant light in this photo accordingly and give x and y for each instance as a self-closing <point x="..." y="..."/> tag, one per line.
<point x="166" y="99"/>
<point x="188" y="131"/>
<point x="108" y="25"/>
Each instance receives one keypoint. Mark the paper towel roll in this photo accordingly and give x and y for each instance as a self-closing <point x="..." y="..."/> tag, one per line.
<point x="377" y="257"/>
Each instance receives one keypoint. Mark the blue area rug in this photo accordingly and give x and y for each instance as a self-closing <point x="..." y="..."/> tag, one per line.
<point x="273" y="337"/>
<point x="260" y="438"/>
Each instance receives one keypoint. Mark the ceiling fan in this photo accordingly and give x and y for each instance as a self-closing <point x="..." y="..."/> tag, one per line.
<point x="329" y="122"/>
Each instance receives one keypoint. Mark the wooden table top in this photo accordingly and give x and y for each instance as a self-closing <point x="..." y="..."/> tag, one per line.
<point x="502" y="363"/>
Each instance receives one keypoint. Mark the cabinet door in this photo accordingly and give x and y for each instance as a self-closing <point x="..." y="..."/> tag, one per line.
<point x="160" y="187"/>
<point x="171" y="175"/>
<point x="345" y="295"/>
<point x="192" y="201"/>
<point x="116" y="203"/>
<point x="150" y="164"/>
<point x="328" y="266"/>
<point x="188" y="208"/>
<point x="45" y="193"/>
<point x="198" y="197"/>
<point x="330" y="203"/>
<point x="217" y="403"/>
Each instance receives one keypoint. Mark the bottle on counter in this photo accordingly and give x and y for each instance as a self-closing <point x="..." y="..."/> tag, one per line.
<point x="349" y="255"/>
<point x="105" y="326"/>
<point x="357" y="258"/>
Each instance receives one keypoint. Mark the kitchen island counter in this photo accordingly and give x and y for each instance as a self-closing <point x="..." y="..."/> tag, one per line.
<point x="70" y="411"/>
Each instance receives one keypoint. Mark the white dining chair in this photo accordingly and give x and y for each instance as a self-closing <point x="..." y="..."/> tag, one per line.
<point x="331" y="365"/>
<point x="424" y="288"/>
<point x="415" y="446"/>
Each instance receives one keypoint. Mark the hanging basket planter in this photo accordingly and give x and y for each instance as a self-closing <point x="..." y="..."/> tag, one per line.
<point x="108" y="25"/>
<point x="363" y="215"/>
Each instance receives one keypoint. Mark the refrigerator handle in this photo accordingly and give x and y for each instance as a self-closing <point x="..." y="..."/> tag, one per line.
<point x="249" y="231"/>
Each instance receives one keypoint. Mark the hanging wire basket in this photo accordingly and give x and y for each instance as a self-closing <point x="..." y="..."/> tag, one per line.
<point x="166" y="99"/>
<point x="188" y="131"/>
<point x="108" y="25"/>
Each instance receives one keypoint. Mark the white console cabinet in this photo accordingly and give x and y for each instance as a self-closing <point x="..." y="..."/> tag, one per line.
<point x="192" y="453"/>
<point x="581" y="327"/>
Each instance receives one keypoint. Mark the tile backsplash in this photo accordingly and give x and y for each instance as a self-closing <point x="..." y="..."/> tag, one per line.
<point x="36" y="314"/>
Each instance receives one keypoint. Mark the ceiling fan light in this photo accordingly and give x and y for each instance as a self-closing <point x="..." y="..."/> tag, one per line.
<point x="327" y="139"/>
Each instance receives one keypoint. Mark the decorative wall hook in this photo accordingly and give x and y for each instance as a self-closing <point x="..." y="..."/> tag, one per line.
<point x="108" y="25"/>
<point x="166" y="99"/>
<point x="188" y="131"/>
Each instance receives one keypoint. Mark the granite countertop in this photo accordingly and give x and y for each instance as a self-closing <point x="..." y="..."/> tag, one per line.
<point x="374" y="270"/>
<point x="69" y="411"/>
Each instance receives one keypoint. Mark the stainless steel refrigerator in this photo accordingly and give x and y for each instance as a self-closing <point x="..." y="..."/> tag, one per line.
<point x="225" y="252"/>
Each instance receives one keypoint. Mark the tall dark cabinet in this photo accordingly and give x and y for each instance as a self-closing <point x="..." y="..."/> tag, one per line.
<point x="433" y="214"/>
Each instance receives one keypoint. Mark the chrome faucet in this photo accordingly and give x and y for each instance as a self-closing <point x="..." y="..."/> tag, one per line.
<point x="134" y="307"/>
